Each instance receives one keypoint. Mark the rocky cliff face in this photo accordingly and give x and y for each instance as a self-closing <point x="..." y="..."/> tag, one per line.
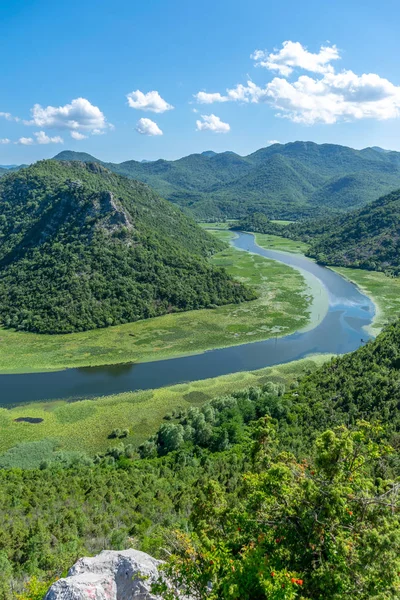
<point x="112" y="575"/>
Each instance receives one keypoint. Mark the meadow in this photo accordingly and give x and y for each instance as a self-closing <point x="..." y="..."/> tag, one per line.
<point x="84" y="426"/>
<point x="275" y="242"/>
<point x="281" y="308"/>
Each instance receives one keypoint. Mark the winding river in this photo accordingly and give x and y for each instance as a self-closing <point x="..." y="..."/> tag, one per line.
<point x="340" y="331"/>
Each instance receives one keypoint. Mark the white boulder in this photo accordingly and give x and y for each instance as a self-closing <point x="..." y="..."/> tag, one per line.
<point x="111" y="575"/>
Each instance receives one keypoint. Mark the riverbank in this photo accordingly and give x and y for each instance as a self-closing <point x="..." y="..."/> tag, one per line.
<point x="283" y="307"/>
<point x="384" y="291"/>
<point x="85" y="425"/>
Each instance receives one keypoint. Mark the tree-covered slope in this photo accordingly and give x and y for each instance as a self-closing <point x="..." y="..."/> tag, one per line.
<point x="368" y="238"/>
<point x="283" y="180"/>
<point x="350" y="191"/>
<point x="81" y="247"/>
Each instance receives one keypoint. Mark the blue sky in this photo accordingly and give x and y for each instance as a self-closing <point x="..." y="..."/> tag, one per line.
<point x="54" y="53"/>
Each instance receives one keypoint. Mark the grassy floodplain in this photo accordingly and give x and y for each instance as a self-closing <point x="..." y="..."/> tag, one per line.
<point x="282" y="307"/>
<point x="275" y="242"/>
<point x="219" y="225"/>
<point x="383" y="290"/>
<point x="85" y="425"/>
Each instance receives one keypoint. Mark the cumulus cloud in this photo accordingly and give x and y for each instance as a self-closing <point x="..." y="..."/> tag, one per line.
<point x="79" y="114"/>
<point x="4" y="141"/>
<point x="151" y="101"/>
<point x="326" y="97"/>
<point x="43" y="138"/>
<point x="9" y="117"/>
<point x="79" y="136"/>
<point x="272" y="142"/>
<point x="212" y="123"/>
<point x="205" y="98"/>
<point x="343" y="96"/>
<point x="40" y="138"/>
<point x="148" y="127"/>
<point x="294" y="54"/>
<point x="25" y="141"/>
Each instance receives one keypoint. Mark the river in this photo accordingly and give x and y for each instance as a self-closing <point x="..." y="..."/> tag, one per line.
<point x="340" y="331"/>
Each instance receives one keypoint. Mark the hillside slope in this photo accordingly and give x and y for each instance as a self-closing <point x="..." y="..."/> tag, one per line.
<point x="299" y="179"/>
<point x="81" y="247"/>
<point x="368" y="238"/>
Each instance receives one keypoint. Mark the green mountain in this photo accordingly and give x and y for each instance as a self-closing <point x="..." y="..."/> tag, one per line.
<point x="6" y="169"/>
<point x="368" y="238"/>
<point x="295" y="180"/>
<point x="81" y="247"/>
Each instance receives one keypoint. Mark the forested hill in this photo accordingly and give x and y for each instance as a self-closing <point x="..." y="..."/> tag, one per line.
<point x="299" y="179"/>
<point x="81" y="247"/>
<point x="367" y="238"/>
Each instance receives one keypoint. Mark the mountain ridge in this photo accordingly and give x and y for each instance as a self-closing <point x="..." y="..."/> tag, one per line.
<point x="292" y="181"/>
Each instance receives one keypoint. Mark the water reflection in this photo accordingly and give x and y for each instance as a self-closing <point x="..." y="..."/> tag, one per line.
<point x="111" y="370"/>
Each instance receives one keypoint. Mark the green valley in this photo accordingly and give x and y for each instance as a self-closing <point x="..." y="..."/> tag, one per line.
<point x="200" y="300"/>
<point x="282" y="307"/>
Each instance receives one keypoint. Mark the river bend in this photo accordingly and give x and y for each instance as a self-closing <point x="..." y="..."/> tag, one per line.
<point x="342" y="330"/>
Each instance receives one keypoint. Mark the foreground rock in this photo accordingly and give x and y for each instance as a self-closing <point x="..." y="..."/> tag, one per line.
<point x="112" y="575"/>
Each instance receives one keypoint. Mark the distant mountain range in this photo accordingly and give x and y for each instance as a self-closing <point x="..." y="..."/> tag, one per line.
<point x="295" y="180"/>
<point x="82" y="247"/>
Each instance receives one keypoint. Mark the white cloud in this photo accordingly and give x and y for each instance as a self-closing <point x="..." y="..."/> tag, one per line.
<point x="5" y="141"/>
<point x="25" y="141"/>
<point x="78" y="136"/>
<point x="42" y="138"/>
<point x="212" y="123"/>
<point x="343" y="96"/>
<point x="148" y="127"/>
<point x="9" y="117"/>
<point x="151" y="101"/>
<point x="79" y="114"/>
<point x="205" y="98"/>
<point x="272" y="142"/>
<point x="326" y="97"/>
<point x="294" y="54"/>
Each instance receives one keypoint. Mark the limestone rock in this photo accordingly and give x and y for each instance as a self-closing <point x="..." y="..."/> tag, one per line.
<point x="111" y="575"/>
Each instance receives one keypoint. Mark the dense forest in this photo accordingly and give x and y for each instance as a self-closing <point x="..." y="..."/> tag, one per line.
<point x="367" y="238"/>
<point x="283" y="181"/>
<point x="267" y="493"/>
<point x="81" y="247"/>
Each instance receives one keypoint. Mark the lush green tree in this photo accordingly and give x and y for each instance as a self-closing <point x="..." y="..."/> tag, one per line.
<point x="327" y="528"/>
